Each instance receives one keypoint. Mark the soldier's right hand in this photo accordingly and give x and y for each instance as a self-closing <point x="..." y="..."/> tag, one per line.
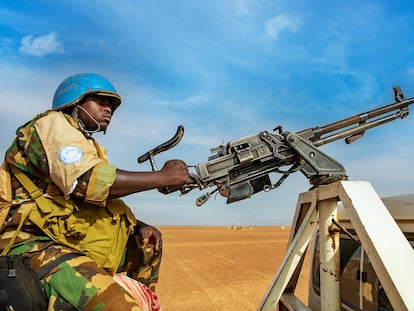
<point x="175" y="173"/>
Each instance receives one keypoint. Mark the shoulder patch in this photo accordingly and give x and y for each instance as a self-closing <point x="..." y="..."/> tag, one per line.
<point x="70" y="154"/>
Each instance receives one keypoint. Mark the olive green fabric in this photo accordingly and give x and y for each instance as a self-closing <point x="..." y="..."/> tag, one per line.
<point x="99" y="232"/>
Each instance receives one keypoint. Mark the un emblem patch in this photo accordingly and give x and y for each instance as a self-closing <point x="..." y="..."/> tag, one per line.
<point x="70" y="154"/>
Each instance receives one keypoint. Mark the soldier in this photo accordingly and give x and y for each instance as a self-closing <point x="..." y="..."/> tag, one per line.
<point x="60" y="206"/>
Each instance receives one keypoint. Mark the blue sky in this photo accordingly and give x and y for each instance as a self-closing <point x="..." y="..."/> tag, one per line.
<point x="223" y="70"/>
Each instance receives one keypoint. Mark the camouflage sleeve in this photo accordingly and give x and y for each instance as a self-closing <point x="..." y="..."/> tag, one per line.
<point x="94" y="185"/>
<point x="27" y="153"/>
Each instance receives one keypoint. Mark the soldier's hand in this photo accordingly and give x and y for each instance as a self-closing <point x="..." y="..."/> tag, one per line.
<point x="151" y="235"/>
<point x="175" y="173"/>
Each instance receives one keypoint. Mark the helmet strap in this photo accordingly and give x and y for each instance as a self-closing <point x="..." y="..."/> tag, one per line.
<point x="81" y="123"/>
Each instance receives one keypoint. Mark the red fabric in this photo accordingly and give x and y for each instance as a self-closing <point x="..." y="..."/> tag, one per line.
<point x="146" y="298"/>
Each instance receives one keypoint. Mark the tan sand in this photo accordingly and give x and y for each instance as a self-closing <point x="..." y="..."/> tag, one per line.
<point x="221" y="268"/>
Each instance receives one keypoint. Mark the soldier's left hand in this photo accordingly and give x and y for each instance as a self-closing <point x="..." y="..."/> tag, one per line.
<point x="151" y="235"/>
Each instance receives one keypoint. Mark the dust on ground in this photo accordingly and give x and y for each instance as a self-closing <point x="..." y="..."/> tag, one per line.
<point x="222" y="268"/>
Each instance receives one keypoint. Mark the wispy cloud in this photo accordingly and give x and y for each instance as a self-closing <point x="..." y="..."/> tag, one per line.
<point x="280" y="23"/>
<point x="42" y="45"/>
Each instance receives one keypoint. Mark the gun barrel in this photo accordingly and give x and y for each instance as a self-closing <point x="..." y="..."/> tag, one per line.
<point x="359" y="129"/>
<point x="365" y="116"/>
<point x="342" y="128"/>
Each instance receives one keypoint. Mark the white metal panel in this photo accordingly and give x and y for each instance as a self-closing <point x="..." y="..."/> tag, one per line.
<point x="389" y="251"/>
<point x="294" y="253"/>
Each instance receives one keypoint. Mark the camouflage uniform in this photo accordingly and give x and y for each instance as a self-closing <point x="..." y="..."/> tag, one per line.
<point x="70" y="278"/>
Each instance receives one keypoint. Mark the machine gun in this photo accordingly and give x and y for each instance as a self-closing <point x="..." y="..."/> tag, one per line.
<point x="241" y="167"/>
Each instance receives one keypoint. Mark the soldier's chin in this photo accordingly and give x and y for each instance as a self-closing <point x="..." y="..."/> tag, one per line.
<point x="104" y="125"/>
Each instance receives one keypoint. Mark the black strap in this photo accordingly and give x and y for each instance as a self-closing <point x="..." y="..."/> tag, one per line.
<point x="41" y="272"/>
<point x="4" y="299"/>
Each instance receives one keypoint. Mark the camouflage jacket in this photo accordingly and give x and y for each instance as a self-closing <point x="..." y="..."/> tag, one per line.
<point x="27" y="152"/>
<point x="32" y="156"/>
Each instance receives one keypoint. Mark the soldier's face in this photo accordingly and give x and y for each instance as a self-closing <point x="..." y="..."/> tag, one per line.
<point x="98" y="110"/>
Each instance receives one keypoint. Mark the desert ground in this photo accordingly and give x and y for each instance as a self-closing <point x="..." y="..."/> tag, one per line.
<point x="221" y="268"/>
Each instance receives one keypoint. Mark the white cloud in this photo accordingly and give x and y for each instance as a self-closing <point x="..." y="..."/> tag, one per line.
<point x="279" y="23"/>
<point x="41" y="45"/>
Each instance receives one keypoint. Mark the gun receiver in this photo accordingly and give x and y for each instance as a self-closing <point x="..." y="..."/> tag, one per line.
<point x="241" y="168"/>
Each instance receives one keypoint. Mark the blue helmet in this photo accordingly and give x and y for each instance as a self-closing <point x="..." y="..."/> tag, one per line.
<point x="73" y="89"/>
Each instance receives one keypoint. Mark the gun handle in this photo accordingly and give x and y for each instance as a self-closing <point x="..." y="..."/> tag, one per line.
<point x="352" y="138"/>
<point x="164" y="146"/>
